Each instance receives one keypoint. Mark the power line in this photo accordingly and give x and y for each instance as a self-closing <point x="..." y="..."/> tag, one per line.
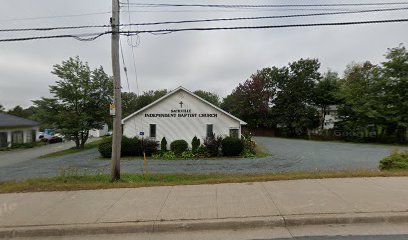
<point x="124" y="66"/>
<point x="51" y="17"/>
<point x="267" y="17"/>
<point x="266" y="5"/>
<point x="92" y="37"/>
<point x="203" y="20"/>
<point x="52" y="28"/>
<point x="79" y="37"/>
<point x="167" y="31"/>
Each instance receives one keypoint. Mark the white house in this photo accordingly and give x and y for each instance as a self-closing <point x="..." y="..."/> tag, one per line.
<point x="181" y="115"/>
<point x="99" y="132"/>
<point x="16" y="130"/>
<point x="331" y="117"/>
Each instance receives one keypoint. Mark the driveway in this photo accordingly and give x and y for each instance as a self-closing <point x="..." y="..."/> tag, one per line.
<point x="288" y="155"/>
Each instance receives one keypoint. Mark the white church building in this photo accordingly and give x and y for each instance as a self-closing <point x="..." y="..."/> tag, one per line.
<point x="181" y="114"/>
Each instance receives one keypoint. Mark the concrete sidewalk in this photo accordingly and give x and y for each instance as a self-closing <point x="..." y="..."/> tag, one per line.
<point x="282" y="203"/>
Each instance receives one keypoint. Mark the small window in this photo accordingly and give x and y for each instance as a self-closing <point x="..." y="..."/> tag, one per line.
<point x="234" y="132"/>
<point x="152" y="130"/>
<point x="210" y="131"/>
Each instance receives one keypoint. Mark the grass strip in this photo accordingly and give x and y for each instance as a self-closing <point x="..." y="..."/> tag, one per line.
<point x="72" y="150"/>
<point x="71" y="183"/>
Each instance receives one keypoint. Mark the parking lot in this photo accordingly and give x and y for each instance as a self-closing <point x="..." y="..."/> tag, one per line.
<point x="287" y="155"/>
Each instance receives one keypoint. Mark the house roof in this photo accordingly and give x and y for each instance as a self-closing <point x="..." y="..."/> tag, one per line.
<point x="192" y="94"/>
<point x="7" y="120"/>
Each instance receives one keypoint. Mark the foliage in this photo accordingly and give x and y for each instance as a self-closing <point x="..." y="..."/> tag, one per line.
<point x="163" y="144"/>
<point x="80" y="100"/>
<point x="201" y="152"/>
<point x="250" y="101"/>
<point x="209" y="97"/>
<point x="249" y="144"/>
<point x="105" y="149"/>
<point x="168" y="155"/>
<point x="195" y="143"/>
<point x="397" y="160"/>
<point x="232" y="146"/>
<point x="150" y="146"/>
<point x="178" y="146"/>
<point x="132" y="102"/>
<point x="325" y="94"/>
<point x="2" y="109"/>
<point x="130" y="147"/>
<point x="213" y="144"/>
<point x="292" y="108"/>
<point x="188" y="155"/>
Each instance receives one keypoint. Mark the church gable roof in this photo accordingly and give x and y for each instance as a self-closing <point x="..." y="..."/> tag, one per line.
<point x="188" y="92"/>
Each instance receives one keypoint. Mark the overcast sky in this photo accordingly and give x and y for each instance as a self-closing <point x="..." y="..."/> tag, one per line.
<point x="214" y="61"/>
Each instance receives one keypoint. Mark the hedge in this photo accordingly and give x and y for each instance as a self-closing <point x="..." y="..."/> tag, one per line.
<point x="130" y="147"/>
<point x="232" y="146"/>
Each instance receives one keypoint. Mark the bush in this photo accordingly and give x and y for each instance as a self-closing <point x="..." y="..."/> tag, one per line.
<point x="130" y="147"/>
<point x="150" y="146"/>
<point x="195" y="143"/>
<point x="249" y="144"/>
<point x="213" y="144"/>
<point x="168" y="155"/>
<point x="178" y="147"/>
<point x="397" y="160"/>
<point x="232" y="146"/>
<point x="163" y="144"/>
<point x="105" y="149"/>
<point x="201" y="152"/>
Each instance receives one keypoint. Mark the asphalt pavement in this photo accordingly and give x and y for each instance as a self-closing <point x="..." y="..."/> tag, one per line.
<point x="287" y="155"/>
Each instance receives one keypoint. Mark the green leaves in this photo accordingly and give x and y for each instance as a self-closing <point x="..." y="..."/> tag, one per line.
<point x="80" y="101"/>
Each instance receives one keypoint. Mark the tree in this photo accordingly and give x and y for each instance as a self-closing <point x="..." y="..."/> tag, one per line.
<point x="292" y="108"/>
<point x="209" y="97"/>
<point x="80" y="100"/>
<point x="2" y="109"/>
<point x="21" y="112"/>
<point x="250" y="100"/>
<point x="395" y="71"/>
<point x="362" y="93"/>
<point x="129" y="103"/>
<point x="325" y="94"/>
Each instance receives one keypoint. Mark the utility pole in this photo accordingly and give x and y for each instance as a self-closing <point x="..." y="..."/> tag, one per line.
<point x="117" y="101"/>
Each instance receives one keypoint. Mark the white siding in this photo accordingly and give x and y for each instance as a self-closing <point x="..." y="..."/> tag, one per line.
<point x="174" y="128"/>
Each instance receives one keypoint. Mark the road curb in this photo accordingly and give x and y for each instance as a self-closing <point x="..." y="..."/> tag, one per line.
<point x="205" y="224"/>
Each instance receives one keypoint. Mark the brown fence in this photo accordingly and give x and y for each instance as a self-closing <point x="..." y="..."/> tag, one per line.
<point x="264" y="132"/>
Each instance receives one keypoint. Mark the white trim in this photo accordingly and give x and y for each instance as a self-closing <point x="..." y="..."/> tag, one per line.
<point x="187" y="91"/>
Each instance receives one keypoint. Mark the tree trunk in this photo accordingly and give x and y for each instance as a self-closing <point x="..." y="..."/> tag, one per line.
<point x="84" y="138"/>
<point x="402" y="134"/>
<point x="77" y="141"/>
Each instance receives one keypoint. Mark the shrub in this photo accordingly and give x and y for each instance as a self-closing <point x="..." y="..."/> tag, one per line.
<point x="163" y="144"/>
<point x="232" y="146"/>
<point x="130" y="147"/>
<point x="249" y="144"/>
<point x="178" y="146"/>
<point x="213" y="144"/>
<point x="105" y="149"/>
<point x="195" y="143"/>
<point x="168" y="155"/>
<point x="150" y="146"/>
<point x="187" y="155"/>
<point x="397" y="160"/>
<point x="201" y="152"/>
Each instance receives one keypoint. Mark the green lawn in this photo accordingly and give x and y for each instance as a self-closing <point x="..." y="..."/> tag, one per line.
<point x="87" y="146"/>
<point x="70" y="183"/>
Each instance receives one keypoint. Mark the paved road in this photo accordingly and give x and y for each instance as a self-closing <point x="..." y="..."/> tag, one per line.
<point x="287" y="156"/>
